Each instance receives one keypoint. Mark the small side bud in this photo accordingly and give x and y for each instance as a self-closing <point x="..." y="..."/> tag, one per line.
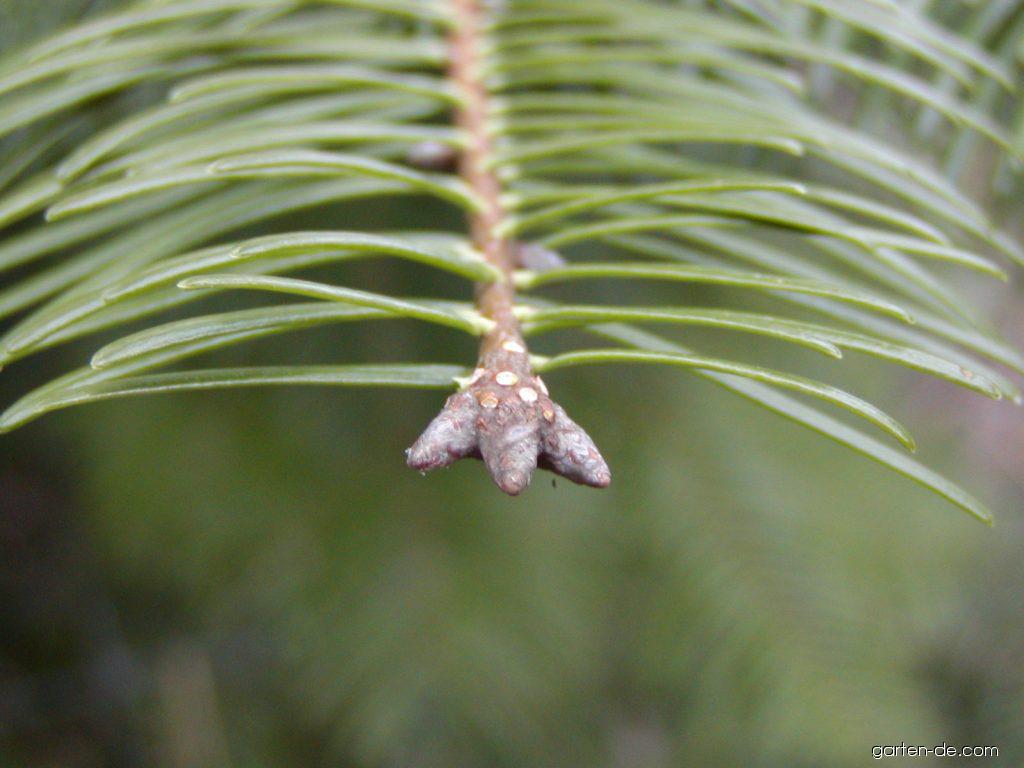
<point x="449" y="437"/>
<point x="568" y="451"/>
<point x="433" y="156"/>
<point x="537" y="258"/>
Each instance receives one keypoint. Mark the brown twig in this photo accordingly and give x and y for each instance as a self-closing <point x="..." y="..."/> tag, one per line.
<point x="503" y="414"/>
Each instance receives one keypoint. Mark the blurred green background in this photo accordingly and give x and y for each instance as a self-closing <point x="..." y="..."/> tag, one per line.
<point x="255" y="579"/>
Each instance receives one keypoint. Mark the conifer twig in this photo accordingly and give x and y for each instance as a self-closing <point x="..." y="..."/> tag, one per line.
<point x="503" y="413"/>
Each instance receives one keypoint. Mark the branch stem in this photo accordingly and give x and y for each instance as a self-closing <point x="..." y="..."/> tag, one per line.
<point x="495" y="300"/>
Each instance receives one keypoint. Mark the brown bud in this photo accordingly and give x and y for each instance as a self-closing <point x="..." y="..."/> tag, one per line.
<point x="567" y="450"/>
<point x="449" y="437"/>
<point x="510" y="443"/>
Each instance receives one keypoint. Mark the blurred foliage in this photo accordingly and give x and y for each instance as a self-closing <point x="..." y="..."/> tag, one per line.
<point x="270" y="587"/>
